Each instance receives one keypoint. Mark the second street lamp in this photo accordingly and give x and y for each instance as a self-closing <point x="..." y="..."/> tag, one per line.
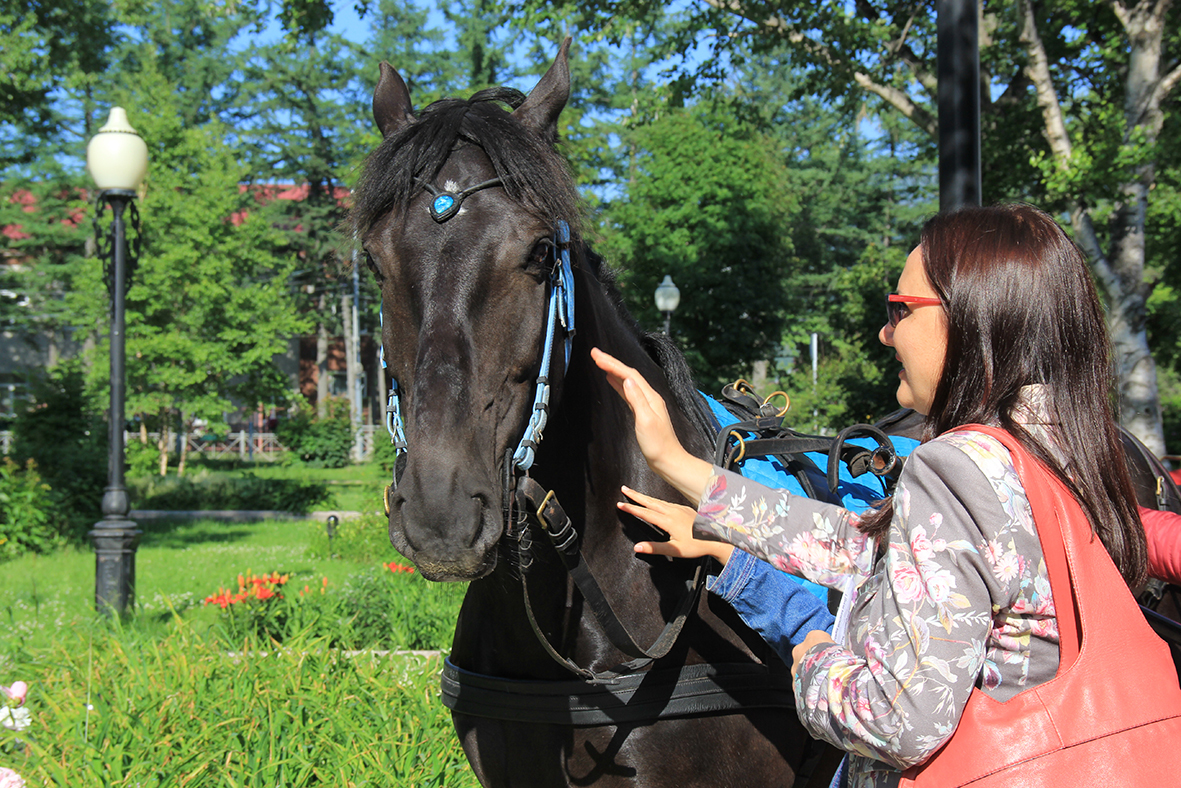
<point x="118" y="160"/>
<point x="668" y="298"/>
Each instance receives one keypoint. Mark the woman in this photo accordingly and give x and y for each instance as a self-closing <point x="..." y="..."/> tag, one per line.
<point x="996" y="321"/>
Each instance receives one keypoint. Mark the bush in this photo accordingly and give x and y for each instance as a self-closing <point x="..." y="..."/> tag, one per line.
<point x="63" y="432"/>
<point x="142" y="458"/>
<point x="26" y="511"/>
<point x="383" y="450"/>
<point x="205" y="491"/>
<point x="319" y="442"/>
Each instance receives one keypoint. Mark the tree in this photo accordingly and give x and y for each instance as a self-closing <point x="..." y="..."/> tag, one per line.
<point x="707" y="205"/>
<point x="1077" y="91"/>
<point x="50" y="47"/>
<point x="209" y="305"/>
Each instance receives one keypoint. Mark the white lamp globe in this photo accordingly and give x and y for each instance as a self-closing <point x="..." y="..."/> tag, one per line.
<point x="667" y="295"/>
<point x="117" y="156"/>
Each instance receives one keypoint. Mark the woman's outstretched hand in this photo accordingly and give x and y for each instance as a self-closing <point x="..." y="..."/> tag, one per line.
<point x="676" y="521"/>
<point x="654" y="429"/>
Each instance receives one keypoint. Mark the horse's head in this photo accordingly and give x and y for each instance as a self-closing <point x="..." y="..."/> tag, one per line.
<point x="464" y="292"/>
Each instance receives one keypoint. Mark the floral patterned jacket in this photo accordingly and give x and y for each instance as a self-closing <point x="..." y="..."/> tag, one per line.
<point x="957" y="596"/>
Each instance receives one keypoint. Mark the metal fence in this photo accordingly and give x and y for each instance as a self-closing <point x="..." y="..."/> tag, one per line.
<point x="243" y="444"/>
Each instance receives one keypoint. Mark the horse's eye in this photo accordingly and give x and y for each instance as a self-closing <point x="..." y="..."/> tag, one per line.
<point x="542" y="254"/>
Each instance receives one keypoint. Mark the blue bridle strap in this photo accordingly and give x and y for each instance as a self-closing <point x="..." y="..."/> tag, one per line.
<point x="560" y="310"/>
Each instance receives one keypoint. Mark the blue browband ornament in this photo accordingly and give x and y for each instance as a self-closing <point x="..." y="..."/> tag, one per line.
<point x="446" y="203"/>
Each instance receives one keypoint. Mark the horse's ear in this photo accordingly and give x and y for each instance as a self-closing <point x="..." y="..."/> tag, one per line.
<point x="541" y="109"/>
<point x="391" y="101"/>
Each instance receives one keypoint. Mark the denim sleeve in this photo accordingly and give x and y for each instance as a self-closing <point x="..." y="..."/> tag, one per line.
<point x="771" y="602"/>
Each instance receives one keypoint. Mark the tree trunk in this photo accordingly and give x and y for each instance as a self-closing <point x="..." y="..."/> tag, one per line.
<point x="162" y="445"/>
<point x="184" y="447"/>
<point x="383" y="396"/>
<point x="351" y="364"/>
<point x="1119" y="271"/>
<point x="321" y="365"/>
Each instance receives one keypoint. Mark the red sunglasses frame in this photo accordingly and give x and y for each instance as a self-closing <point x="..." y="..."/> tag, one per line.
<point x="894" y="314"/>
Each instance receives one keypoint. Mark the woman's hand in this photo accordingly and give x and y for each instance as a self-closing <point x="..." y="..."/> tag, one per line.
<point x="676" y="521"/>
<point x="654" y="429"/>
<point x="815" y="637"/>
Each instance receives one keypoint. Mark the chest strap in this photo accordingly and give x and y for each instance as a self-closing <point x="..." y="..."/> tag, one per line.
<point x="542" y="508"/>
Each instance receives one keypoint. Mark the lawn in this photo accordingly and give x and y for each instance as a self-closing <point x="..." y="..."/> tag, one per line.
<point x="294" y="690"/>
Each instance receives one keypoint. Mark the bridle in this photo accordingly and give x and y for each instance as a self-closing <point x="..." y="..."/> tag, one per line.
<point x="527" y="502"/>
<point x="559" y="312"/>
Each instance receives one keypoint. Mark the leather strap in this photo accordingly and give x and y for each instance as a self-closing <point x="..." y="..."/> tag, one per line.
<point x="533" y="499"/>
<point x="636" y="697"/>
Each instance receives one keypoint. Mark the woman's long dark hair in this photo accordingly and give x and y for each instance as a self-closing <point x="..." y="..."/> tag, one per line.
<point x="1022" y="310"/>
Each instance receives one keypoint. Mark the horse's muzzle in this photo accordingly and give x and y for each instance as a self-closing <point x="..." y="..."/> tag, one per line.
<point x="448" y="538"/>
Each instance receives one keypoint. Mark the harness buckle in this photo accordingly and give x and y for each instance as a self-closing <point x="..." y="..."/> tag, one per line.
<point x="556" y="523"/>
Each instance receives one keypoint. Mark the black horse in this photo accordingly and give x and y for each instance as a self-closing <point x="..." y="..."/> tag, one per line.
<point x="464" y="214"/>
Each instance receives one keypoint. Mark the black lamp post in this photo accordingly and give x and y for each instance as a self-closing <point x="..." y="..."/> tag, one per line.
<point x="118" y="160"/>
<point x="668" y="298"/>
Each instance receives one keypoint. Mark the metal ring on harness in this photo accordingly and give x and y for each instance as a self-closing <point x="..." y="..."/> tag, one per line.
<point x="786" y="402"/>
<point x="741" y="446"/>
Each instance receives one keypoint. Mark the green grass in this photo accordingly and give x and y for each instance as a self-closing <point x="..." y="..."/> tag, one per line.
<point x="113" y="709"/>
<point x="160" y="698"/>
<point x="179" y="564"/>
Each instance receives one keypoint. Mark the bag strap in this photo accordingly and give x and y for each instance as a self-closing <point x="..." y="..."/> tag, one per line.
<point x="1056" y="517"/>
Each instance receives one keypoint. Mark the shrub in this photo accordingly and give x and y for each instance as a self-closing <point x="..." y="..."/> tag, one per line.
<point x="26" y="511"/>
<point x="319" y="442"/>
<point x="383" y="450"/>
<point x="63" y="432"/>
<point x="205" y="491"/>
<point x="142" y="458"/>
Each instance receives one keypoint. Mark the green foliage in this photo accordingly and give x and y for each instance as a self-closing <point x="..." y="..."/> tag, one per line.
<point x="113" y="709"/>
<point x="26" y="511"/>
<point x="63" y="433"/>
<point x="320" y="442"/>
<point x="386" y="607"/>
<point x="707" y="205"/>
<point x="207" y="490"/>
<point x="364" y="538"/>
<point x="384" y="453"/>
<point x="143" y="459"/>
<point x="208" y="307"/>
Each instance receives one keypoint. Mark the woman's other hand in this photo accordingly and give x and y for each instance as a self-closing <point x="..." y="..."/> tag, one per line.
<point x="676" y="521"/>
<point x="654" y="429"/>
<point x="814" y="638"/>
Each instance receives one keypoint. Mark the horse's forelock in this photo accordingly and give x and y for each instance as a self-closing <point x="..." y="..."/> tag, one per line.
<point x="533" y="172"/>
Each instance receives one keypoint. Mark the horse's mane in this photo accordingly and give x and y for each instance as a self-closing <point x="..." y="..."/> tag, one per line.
<point x="661" y="349"/>
<point x="533" y="172"/>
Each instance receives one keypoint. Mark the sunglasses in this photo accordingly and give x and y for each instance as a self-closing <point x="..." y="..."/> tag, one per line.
<point x="898" y="306"/>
